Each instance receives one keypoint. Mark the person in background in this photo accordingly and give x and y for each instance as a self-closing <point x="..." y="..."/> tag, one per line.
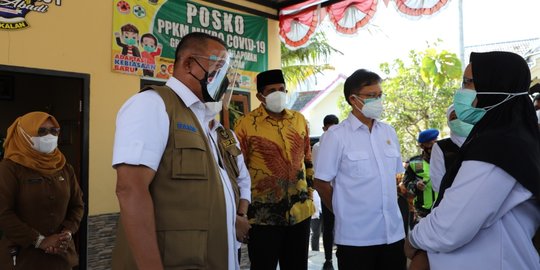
<point x="536" y="103"/>
<point x="361" y="159"/>
<point x="41" y="203"/>
<point x="445" y="152"/>
<point x="417" y="179"/>
<point x="488" y="208"/>
<point x="276" y="146"/>
<point x="405" y="199"/>
<point x="181" y="181"/>
<point x="316" y="222"/>
<point x="327" y="215"/>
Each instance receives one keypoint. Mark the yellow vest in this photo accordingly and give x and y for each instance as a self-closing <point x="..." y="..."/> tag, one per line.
<point x="189" y="202"/>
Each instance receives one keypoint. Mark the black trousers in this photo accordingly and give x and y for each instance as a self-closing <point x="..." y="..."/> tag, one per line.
<point x="287" y="245"/>
<point x="315" y="233"/>
<point x="379" y="257"/>
<point x="328" y="232"/>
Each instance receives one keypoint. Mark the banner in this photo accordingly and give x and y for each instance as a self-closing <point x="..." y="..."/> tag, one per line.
<point x="146" y="33"/>
<point x="13" y="12"/>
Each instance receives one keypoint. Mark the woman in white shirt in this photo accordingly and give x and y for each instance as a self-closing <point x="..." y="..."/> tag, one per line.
<point x="486" y="213"/>
<point x="445" y="151"/>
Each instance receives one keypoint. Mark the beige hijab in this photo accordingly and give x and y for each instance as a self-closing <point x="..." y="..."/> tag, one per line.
<point x="18" y="146"/>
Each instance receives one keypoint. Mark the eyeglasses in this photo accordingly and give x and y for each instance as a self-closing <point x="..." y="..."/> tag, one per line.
<point x="466" y="81"/>
<point x="371" y="95"/>
<point x="44" y="131"/>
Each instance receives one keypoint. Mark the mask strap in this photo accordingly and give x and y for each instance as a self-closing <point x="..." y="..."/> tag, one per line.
<point x="508" y="97"/>
<point x="26" y="136"/>
<point x="359" y="99"/>
<point x="205" y="78"/>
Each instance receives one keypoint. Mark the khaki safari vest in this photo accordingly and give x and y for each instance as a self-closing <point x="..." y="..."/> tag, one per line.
<point x="188" y="198"/>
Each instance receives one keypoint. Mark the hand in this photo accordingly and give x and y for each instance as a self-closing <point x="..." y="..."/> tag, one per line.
<point x="419" y="261"/>
<point x="409" y="250"/>
<point x="420" y="185"/>
<point x="55" y="244"/>
<point x="242" y="229"/>
<point x="65" y="236"/>
<point x="116" y="34"/>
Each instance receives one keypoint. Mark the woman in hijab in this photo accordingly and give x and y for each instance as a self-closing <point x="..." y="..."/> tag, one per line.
<point x="445" y="151"/>
<point x="486" y="213"/>
<point x="40" y="200"/>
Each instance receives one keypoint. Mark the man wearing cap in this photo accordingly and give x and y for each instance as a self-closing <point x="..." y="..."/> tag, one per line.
<point x="178" y="196"/>
<point x="275" y="143"/>
<point x="417" y="178"/>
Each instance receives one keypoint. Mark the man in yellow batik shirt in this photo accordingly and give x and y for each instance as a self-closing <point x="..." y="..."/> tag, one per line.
<point x="275" y="144"/>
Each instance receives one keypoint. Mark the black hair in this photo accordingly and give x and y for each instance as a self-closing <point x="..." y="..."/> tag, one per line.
<point x="194" y="40"/>
<point x="358" y="80"/>
<point x="129" y="28"/>
<point x="148" y="35"/>
<point x="536" y="98"/>
<point x="330" y="120"/>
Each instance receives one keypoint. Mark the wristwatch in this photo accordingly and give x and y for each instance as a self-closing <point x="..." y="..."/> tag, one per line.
<point x="39" y="240"/>
<point x="241" y="214"/>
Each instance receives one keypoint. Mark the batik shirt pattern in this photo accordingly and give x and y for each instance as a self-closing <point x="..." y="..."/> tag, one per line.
<point x="278" y="156"/>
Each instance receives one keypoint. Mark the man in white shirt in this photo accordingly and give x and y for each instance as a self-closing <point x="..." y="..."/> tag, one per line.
<point x="361" y="159"/>
<point x="169" y="237"/>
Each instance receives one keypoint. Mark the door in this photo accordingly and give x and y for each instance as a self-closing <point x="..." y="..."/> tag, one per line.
<point x="65" y="96"/>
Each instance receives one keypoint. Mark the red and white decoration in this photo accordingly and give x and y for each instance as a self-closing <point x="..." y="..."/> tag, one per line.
<point x="299" y="22"/>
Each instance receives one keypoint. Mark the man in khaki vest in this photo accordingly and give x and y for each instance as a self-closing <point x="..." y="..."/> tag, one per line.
<point x="179" y="195"/>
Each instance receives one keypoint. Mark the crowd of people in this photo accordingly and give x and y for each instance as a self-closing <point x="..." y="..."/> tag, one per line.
<point x="192" y="191"/>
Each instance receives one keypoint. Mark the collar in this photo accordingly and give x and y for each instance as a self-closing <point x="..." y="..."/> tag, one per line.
<point x="356" y="124"/>
<point x="261" y="111"/>
<point x="183" y="92"/>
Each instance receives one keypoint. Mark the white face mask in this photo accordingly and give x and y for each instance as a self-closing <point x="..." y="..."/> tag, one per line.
<point x="45" y="144"/>
<point x="213" y="108"/>
<point x="373" y="107"/>
<point x="276" y="101"/>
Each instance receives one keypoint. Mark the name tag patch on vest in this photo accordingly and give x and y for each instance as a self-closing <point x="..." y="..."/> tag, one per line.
<point x="229" y="142"/>
<point x="184" y="126"/>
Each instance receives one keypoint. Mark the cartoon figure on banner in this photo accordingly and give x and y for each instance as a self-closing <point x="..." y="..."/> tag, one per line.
<point x="163" y="74"/>
<point x="151" y="49"/>
<point x="130" y="35"/>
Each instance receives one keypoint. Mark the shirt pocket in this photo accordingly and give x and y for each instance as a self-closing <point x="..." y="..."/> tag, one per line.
<point x="356" y="163"/>
<point x="189" y="160"/>
<point x="391" y="155"/>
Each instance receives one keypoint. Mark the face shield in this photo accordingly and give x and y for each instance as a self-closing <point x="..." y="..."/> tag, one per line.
<point x="227" y="87"/>
<point x="214" y="74"/>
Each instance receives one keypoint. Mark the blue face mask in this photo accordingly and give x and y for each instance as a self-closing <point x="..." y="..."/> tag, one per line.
<point x="465" y="112"/>
<point x="464" y="98"/>
<point x="460" y="128"/>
